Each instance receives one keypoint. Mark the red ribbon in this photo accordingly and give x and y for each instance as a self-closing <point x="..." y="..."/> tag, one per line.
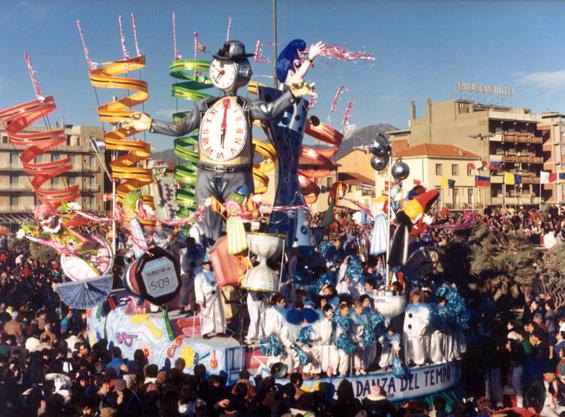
<point x="17" y="119"/>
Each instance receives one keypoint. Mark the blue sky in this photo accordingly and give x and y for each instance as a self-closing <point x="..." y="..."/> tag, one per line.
<point x="422" y="49"/>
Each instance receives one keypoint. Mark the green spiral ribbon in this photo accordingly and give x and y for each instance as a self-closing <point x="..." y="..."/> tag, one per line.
<point x="193" y="79"/>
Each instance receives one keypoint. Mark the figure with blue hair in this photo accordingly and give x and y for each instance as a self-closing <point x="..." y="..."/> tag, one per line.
<point x="288" y="133"/>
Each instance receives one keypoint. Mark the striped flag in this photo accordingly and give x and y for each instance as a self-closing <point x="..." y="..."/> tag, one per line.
<point x="561" y="176"/>
<point x="98" y="145"/>
<point x="495" y="166"/>
<point x="546" y="177"/>
<point x="444" y="183"/>
<point x="517" y="179"/>
<point x="482" y="181"/>
<point x="477" y="165"/>
<point x="365" y="186"/>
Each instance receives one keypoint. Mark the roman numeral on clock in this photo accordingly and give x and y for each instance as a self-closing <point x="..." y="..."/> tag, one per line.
<point x="220" y="155"/>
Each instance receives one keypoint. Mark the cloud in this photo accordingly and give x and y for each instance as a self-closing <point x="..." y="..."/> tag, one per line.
<point x="548" y="81"/>
<point x="166" y="112"/>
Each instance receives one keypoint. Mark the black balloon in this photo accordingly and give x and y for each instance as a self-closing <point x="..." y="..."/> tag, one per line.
<point x="379" y="162"/>
<point x="400" y="171"/>
<point x="379" y="146"/>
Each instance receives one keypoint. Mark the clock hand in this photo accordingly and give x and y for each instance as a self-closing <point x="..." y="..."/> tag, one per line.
<point x="226" y="104"/>
<point x="222" y="72"/>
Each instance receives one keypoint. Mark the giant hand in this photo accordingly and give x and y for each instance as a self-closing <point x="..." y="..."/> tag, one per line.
<point x="301" y="89"/>
<point x="139" y="122"/>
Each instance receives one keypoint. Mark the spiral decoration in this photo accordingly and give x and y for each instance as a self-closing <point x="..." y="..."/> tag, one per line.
<point x="192" y="73"/>
<point x="316" y="163"/>
<point x="17" y="119"/>
<point x="124" y="168"/>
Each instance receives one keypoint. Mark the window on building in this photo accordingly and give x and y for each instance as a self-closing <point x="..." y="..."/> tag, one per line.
<point x="71" y="181"/>
<point x="92" y="163"/>
<point x="93" y="204"/>
<point x="330" y="182"/>
<point x="439" y="169"/>
<point x="5" y="139"/>
<point x="454" y="170"/>
<point x="68" y="137"/>
<point x="469" y="171"/>
<point x="14" y="201"/>
<point x="470" y="195"/>
<point x="14" y="160"/>
<point x="55" y="182"/>
<point x="14" y="181"/>
<point x="92" y="182"/>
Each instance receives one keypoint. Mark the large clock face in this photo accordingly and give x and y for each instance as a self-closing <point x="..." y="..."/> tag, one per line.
<point x="223" y="74"/>
<point x="223" y="131"/>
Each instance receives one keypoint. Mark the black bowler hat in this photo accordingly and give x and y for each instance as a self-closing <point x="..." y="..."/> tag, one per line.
<point x="232" y="51"/>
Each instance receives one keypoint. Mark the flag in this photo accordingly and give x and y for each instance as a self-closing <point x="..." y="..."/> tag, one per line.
<point x="477" y="165"/>
<point x="518" y="179"/>
<point x="509" y="178"/>
<point x="481" y="181"/>
<point x="365" y="186"/>
<point x="495" y="166"/>
<point x="444" y="183"/>
<point x="98" y="145"/>
<point x="546" y="177"/>
<point x="561" y="176"/>
<point x="451" y="183"/>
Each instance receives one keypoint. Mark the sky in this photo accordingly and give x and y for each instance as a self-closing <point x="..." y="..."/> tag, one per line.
<point x="422" y="49"/>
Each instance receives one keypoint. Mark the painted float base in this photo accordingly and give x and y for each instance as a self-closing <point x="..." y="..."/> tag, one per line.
<point x="130" y="330"/>
<point x="424" y="381"/>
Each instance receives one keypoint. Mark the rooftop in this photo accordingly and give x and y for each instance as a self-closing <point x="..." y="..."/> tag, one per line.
<point x="435" y="150"/>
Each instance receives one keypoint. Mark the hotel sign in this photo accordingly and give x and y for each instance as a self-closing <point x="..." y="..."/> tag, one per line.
<point x="485" y="89"/>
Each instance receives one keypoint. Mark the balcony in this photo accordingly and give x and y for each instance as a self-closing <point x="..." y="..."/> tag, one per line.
<point x="530" y="180"/>
<point x="521" y="159"/>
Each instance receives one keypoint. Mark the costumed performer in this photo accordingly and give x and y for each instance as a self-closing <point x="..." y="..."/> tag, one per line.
<point x="366" y="350"/>
<point x="417" y="317"/>
<point x="390" y="342"/>
<point x="276" y="326"/>
<point x="256" y="308"/>
<point x="225" y="124"/>
<point x="345" y="346"/>
<point x="207" y="293"/>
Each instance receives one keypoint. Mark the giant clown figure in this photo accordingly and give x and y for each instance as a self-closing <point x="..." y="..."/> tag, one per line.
<point x="224" y="123"/>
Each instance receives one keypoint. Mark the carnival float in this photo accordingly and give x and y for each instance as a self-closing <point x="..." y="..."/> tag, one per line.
<point x="248" y="241"/>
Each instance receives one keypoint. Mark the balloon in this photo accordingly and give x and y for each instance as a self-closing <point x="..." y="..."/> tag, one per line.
<point x="379" y="146"/>
<point x="379" y="162"/>
<point x="400" y="170"/>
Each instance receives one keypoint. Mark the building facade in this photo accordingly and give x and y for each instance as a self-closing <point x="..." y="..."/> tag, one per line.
<point x="17" y="199"/>
<point x="553" y="127"/>
<point x="509" y="137"/>
<point x="430" y="165"/>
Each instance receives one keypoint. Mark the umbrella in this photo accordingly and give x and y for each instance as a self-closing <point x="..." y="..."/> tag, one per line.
<point x="85" y="294"/>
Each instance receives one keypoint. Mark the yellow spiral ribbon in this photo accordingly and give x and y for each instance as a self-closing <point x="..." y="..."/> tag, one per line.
<point x="193" y="80"/>
<point x="125" y="168"/>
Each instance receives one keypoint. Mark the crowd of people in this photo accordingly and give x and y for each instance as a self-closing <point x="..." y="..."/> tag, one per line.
<point x="514" y="357"/>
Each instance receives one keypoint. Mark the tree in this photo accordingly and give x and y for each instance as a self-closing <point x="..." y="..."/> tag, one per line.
<point x="552" y="274"/>
<point x="42" y="253"/>
<point x="503" y="260"/>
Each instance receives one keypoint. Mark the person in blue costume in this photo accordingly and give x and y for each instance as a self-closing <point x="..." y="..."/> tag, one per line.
<point x="288" y="133"/>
